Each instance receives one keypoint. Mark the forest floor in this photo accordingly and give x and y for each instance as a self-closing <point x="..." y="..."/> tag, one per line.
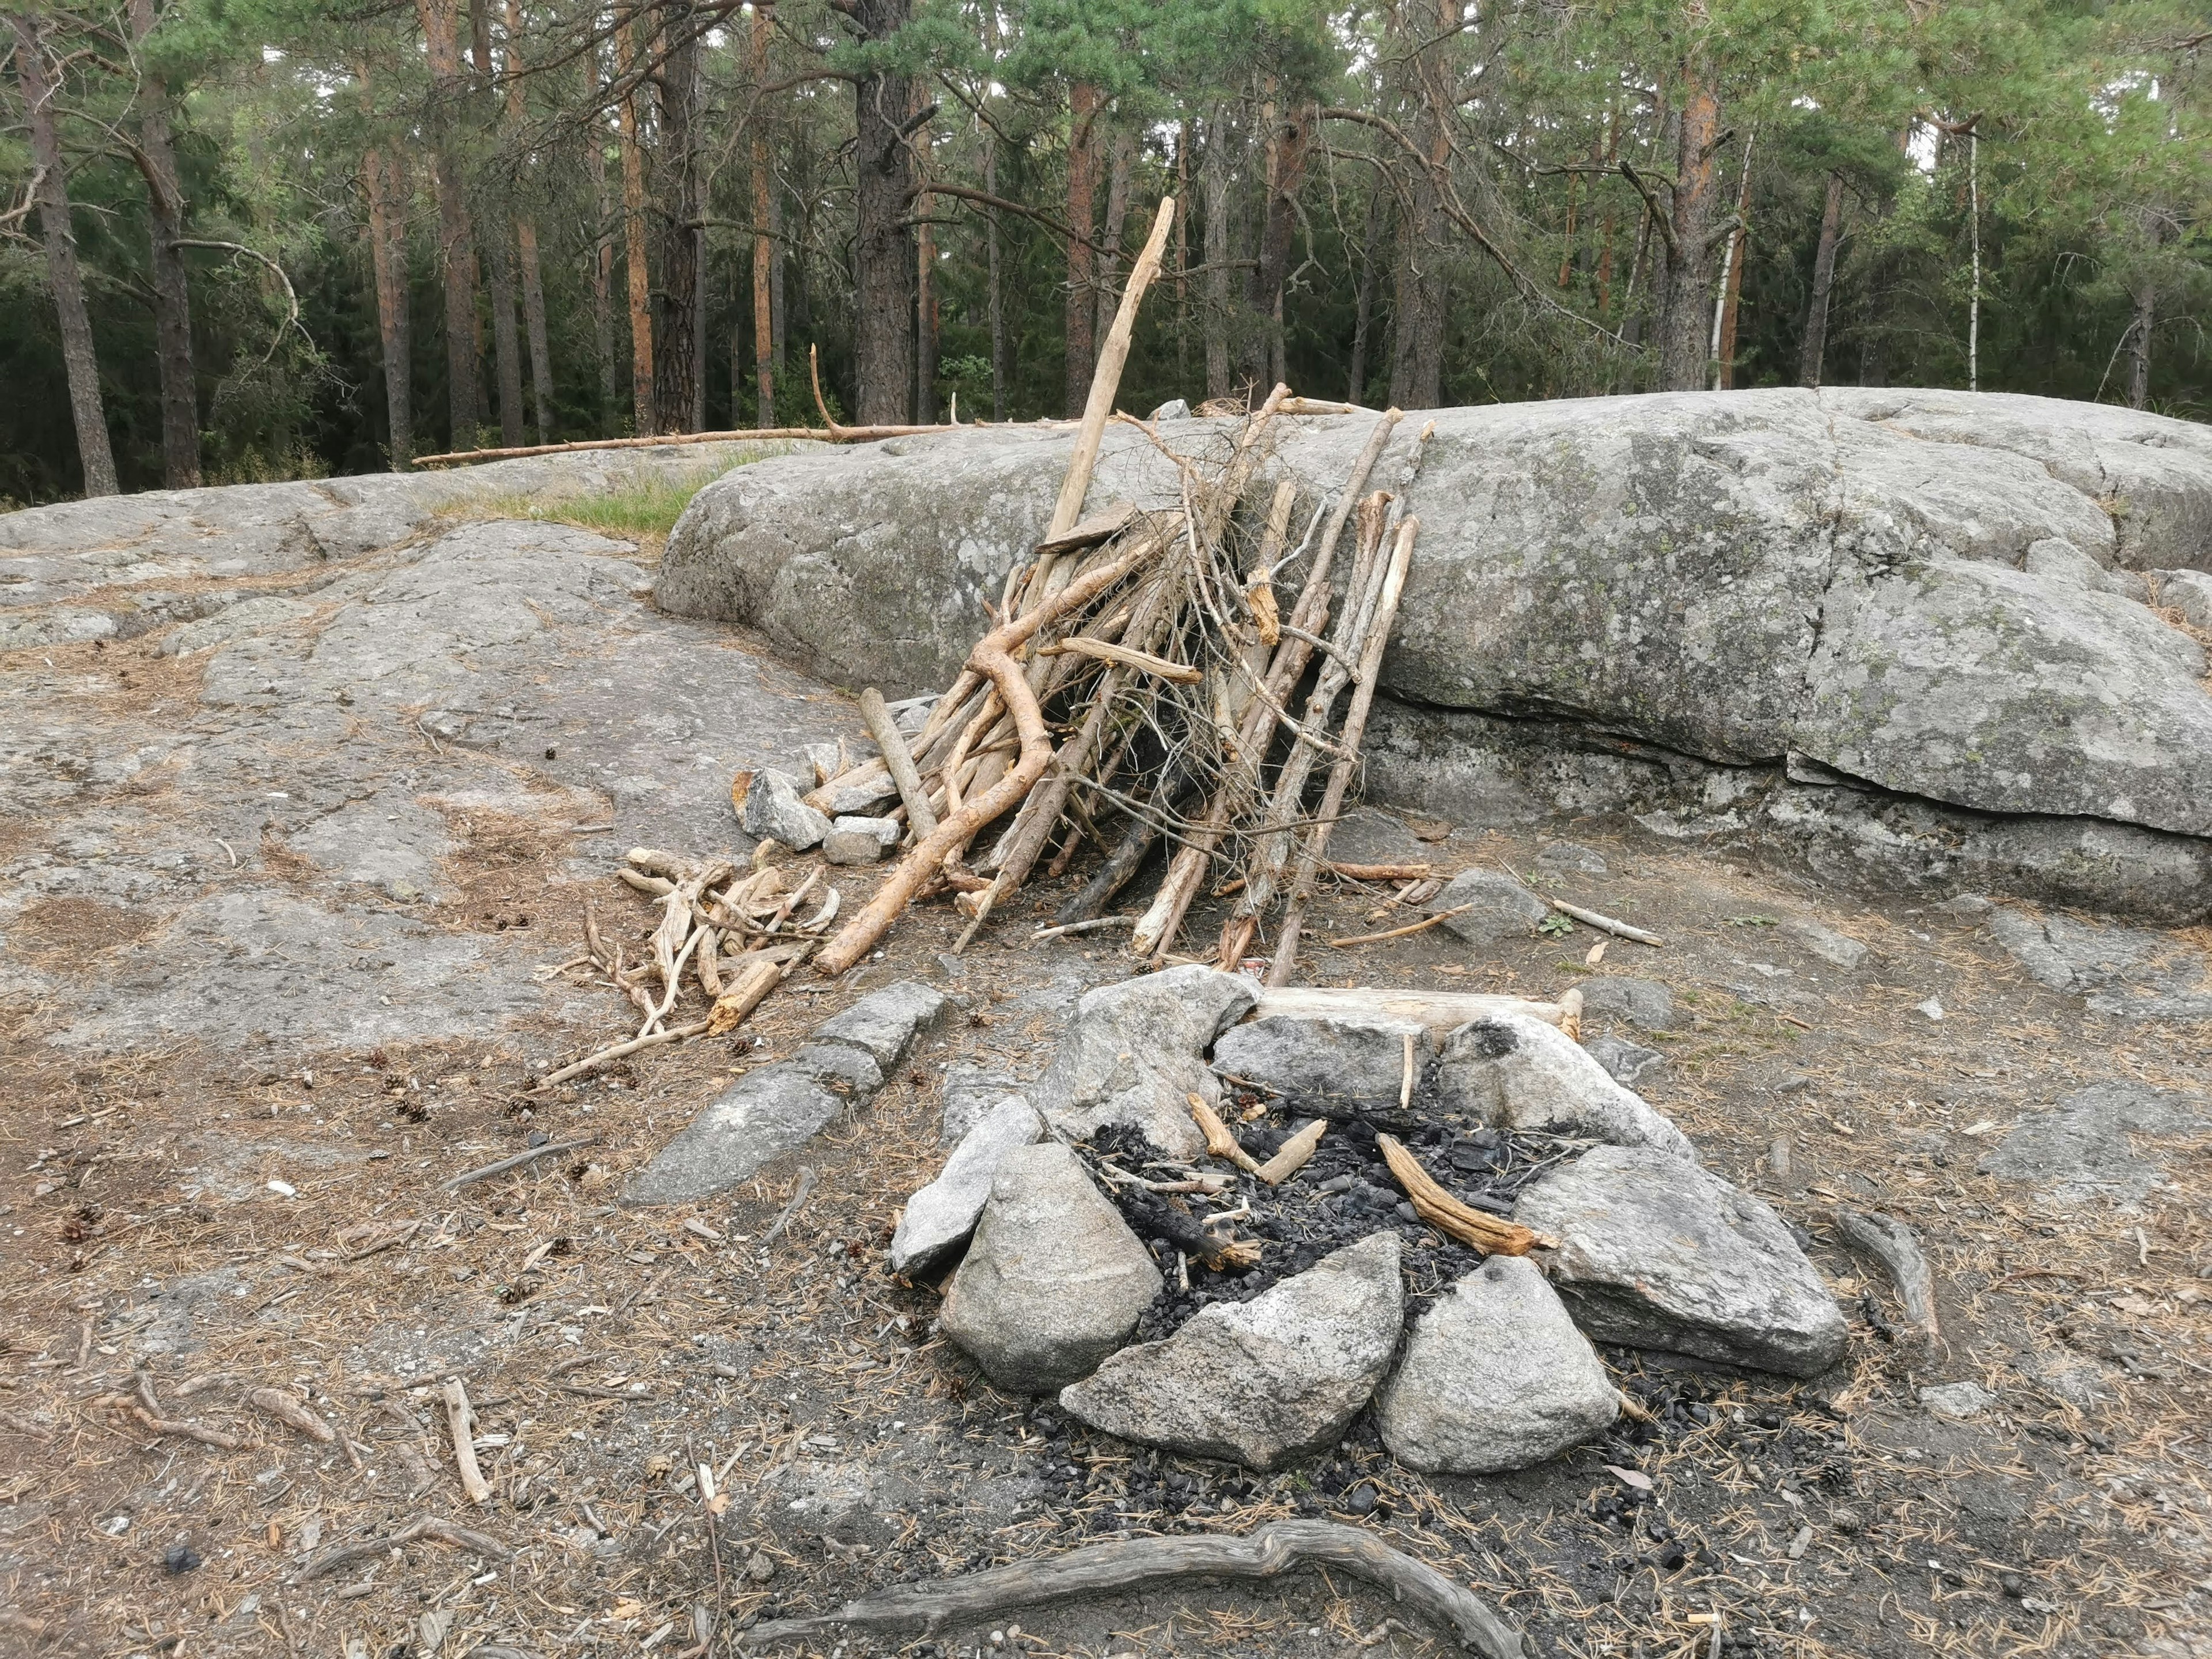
<point x="275" y="967"/>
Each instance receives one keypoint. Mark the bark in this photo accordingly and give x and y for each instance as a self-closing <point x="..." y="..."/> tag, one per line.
<point x="387" y="252"/>
<point x="2139" y="334"/>
<point x="1684" y="326"/>
<point x="1215" y="172"/>
<point x="1362" y="323"/>
<point x="457" y="257"/>
<point x="641" y="284"/>
<point x="1417" y="345"/>
<point x="499" y="250"/>
<point x="883" y="254"/>
<point x="1083" y="107"/>
<point x="676" y="172"/>
<point x="763" y="244"/>
<point x="1183" y="254"/>
<point x="1289" y="141"/>
<point x="997" y="298"/>
<point x="924" y="291"/>
<point x="172" y="299"/>
<point x="525" y="235"/>
<point x="96" y="459"/>
<point x="1823" y="282"/>
<point x="602" y="273"/>
<point x="1117" y="218"/>
<point x="1739" y="249"/>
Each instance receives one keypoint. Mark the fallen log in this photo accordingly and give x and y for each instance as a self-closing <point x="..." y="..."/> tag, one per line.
<point x="1280" y="1548"/>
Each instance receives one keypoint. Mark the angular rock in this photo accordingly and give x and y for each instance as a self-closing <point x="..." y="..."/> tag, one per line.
<point x="843" y="1067"/>
<point x="1644" y="1003"/>
<point x="970" y="1094"/>
<point x="1656" y="1252"/>
<point x="1335" y="1059"/>
<point x="938" y="1218"/>
<point x="860" y="841"/>
<point x="885" y="1023"/>
<point x="1495" y="1376"/>
<point x="1502" y="907"/>
<point x="1626" y="1063"/>
<point x="1054" y="1280"/>
<point x="1837" y="949"/>
<point x="774" y="812"/>
<point x="761" y="1116"/>
<point x="1572" y="855"/>
<point x="1515" y="1072"/>
<point x="862" y="794"/>
<point x="1261" y="1381"/>
<point x="2188" y="592"/>
<point x="2088" y="1145"/>
<point x="1134" y="1053"/>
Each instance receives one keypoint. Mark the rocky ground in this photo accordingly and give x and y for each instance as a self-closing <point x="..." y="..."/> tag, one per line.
<point x="290" y="889"/>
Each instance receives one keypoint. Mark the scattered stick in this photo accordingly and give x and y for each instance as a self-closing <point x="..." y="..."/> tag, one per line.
<point x="754" y="980"/>
<point x="1440" y="1010"/>
<point x="550" y="1149"/>
<point x="1381" y="872"/>
<point x="799" y="1194"/>
<point x="340" y="1556"/>
<point x="899" y="763"/>
<point x="1487" y="1233"/>
<point x="1108" y="1569"/>
<point x="465" y="1448"/>
<point x="1219" y="1143"/>
<point x="287" y="1409"/>
<point x="206" y="1437"/>
<point x="1891" y="1242"/>
<point x="1066" y="928"/>
<point x="1420" y="927"/>
<point x="628" y="1046"/>
<point x="1604" y="924"/>
<point x="1296" y="1152"/>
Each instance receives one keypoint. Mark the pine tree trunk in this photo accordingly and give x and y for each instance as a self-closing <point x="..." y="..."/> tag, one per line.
<point x="1685" y="327"/>
<point x="1117" y="220"/>
<point x="599" y="267"/>
<point x="1362" y="323"/>
<point x="2139" y="334"/>
<point x="1287" y="143"/>
<point x="1183" y="255"/>
<point x="457" y="257"/>
<point x="1215" y="172"/>
<point x="763" y="242"/>
<point x="96" y="459"/>
<point x="525" y="235"/>
<point x="1738" y="250"/>
<point x="676" y="358"/>
<point x="1816" y="344"/>
<point x="1417" y="309"/>
<point x="641" y="284"/>
<point x="996" y="298"/>
<point x="499" y="247"/>
<point x="387" y="260"/>
<point x="1083" y="107"/>
<point x="883" y="252"/>
<point x="172" y="298"/>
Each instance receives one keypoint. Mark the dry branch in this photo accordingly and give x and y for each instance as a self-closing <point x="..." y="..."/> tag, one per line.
<point x="1219" y="1143"/>
<point x="1487" y="1233"/>
<point x="897" y="762"/>
<point x="1108" y="1569"/>
<point x="1891" y="1242"/>
<point x="550" y="1149"/>
<point x="340" y="1556"/>
<point x="464" y="1449"/>
<point x="1604" y="924"/>
<point x="205" y="1435"/>
<point x="1295" y="1154"/>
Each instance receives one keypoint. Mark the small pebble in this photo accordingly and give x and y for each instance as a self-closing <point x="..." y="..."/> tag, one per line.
<point x="760" y="1569"/>
<point x="2012" y="1584"/>
<point x="1361" y="1499"/>
<point x="181" y="1557"/>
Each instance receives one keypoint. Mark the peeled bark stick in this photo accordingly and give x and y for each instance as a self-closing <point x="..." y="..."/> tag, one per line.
<point x="1487" y="1233"/>
<point x="747" y="990"/>
<point x="897" y="762"/>
<point x="1340" y="776"/>
<point x="1890" y="1241"/>
<point x="1440" y="1010"/>
<point x="1106" y="377"/>
<point x="206" y="1437"/>
<point x="1177" y="674"/>
<point x="633" y="1045"/>
<point x="1219" y="1143"/>
<point x="550" y="1149"/>
<point x="1294" y="1155"/>
<point x="1604" y="924"/>
<point x="1381" y="872"/>
<point x="1420" y="927"/>
<point x="464" y="1449"/>
<point x="992" y="656"/>
<point x="1278" y="1547"/>
<point x="284" y="1408"/>
<point x="841" y="434"/>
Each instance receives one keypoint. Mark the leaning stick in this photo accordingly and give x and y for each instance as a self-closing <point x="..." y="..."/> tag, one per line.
<point x="1108" y="1569"/>
<point x="1177" y="674"/>
<point x="993" y="656"/>
<point x="464" y="1449"/>
<point x="1448" y="1215"/>
<point x="1604" y="924"/>
<point x="1890" y="1241"/>
<point x="1106" y="379"/>
<point x="1219" y="1143"/>
<point x="897" y="762"/>
<point x="550" y="1149"/>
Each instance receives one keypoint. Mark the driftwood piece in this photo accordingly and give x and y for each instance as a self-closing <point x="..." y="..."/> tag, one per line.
<point x="897" y="762"/>
<point x="754" y="977"/>
<point x="1440" y="1010"/>
<point x="1420" y="927"/>
<point x="340" y="1556"/>
<point x="464" y="1449"/>
<point x="1891" y="1242"/>
<point x="550" y="1149"/>
<point x="1280" y="1548"/>
<point x="1380" y="871"/>
<point x="1295" y="1154"/>
<point x="1219" y="1143"/>
<point x="1604" y="924"/>
<point x="1142" y="662"/>
<point x="1487" y="1233"/>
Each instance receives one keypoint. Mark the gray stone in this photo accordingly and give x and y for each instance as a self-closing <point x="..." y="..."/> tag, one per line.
<point x="1367" y="834"/>
<point x="1656" y="1252"/>
<point x="1967" y="907"/>
<point x="1516" y="1073"/>
<point x="885" y="1023"/>
<point x="1837" y="949"/>
<point x="842" y="1068"/>
<point x="861" y="795"/>
<point x="1334" y="1059"/>
<point x="774" y="812"/>
<point x="1054" y="1281"/>
<point x="1134" y="1053"/>
<point x="2188" y="592"/>
<point x="1644" y="1003"/>
<point x="1176" y="408"/>
<point x="970" y="1094"/>
<point x="1572" y="855"/>
<point x="860" y="841"/>
<point x="1495" y="1376"/>
<point x="2088" y="1145"/>
<point x="1500" y="907"/>
<point x="764" y="1115"/>
<point x="1626" y="1063"/>
<point x="937" y="1219"/>
<point x="1263" y="1381"/>
<point x="1960" y="1402"/>
<point x="2129" y="972"/>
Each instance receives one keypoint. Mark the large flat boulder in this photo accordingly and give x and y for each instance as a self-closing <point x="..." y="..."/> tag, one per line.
<point x="1330" y="1058"/>
<point x="1515" y="1072"/>
<point x="1259" y="1381"/>
<point x="1656" y="1252"/>
<point x="1842" y="576"/>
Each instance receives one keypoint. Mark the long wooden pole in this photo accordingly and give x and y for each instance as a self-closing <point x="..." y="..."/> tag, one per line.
<point x="1106" y="382"/>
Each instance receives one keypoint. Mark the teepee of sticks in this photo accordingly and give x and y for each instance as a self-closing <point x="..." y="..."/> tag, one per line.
<point x="1144" y="683"/>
